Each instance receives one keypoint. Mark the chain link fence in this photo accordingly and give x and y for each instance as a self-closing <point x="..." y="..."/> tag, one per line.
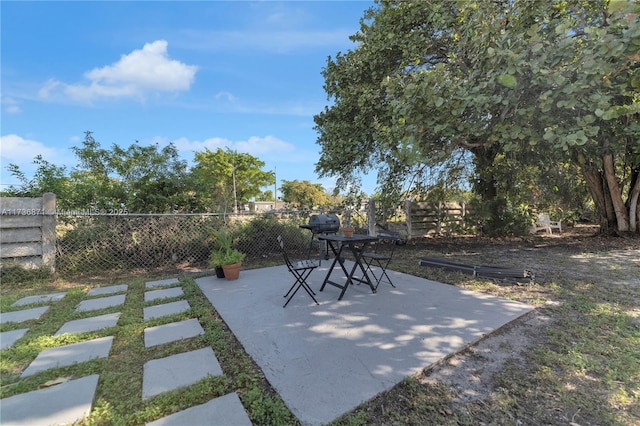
<point x="104" y="245"/>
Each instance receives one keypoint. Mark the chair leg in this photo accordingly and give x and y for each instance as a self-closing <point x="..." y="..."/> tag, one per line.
<point x="306" y="288"/>
<point x="368" y="270"/>
<point x="299" y="278"/>
<point x="301" y="281"/>
<point x="383" y="274"/>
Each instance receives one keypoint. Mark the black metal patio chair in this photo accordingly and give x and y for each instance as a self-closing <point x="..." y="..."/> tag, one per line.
<point x="301" y="271"/>
<point x="381" y="256"/>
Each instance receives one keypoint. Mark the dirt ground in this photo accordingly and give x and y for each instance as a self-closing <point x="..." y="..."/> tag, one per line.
<point x="576" y="255"/>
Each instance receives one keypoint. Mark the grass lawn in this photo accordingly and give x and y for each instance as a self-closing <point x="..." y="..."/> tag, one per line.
<point x="575" y="359"/>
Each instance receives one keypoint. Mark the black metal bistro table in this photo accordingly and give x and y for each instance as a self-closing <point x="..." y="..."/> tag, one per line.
<point x="356" y="245"/>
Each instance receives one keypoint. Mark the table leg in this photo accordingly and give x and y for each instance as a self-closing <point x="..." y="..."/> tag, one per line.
<point x="357" y="254"/>
<point x="339" y="259"/>
<point x="336" y="258"/>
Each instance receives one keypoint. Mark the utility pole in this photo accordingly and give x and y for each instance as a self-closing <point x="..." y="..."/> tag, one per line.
<point x="235" y="195"/>
<point x="275" y="187"/>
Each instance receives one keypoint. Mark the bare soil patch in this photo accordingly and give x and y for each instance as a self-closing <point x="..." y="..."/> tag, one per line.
<point x="541" y="368"/>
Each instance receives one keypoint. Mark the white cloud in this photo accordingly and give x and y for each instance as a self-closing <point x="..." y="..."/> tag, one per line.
<point x="184" y="144"/>
<point x="149" y="70"/>
<point x="13" y="109"/>
<point x="18" y="150"/>
<point x="11" y="106"/>
<point x="225" y="95"/>
<point x="258" y="146"/>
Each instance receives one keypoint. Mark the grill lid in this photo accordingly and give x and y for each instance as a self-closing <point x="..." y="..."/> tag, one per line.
<point x="324" y="223"/>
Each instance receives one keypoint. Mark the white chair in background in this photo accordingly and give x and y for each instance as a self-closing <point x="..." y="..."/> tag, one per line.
<point x="544" y="223"/>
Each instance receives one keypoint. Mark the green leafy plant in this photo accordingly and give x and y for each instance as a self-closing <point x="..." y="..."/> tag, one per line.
<point x="223" y="240"/>
<point x="224" y="253"/>
<point x="226" y="257"/>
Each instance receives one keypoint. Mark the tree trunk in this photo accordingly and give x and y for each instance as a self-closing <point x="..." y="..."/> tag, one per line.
<point x="593" y="178"/>
<point x="634" y="208"/>
<point x="622" y="218"/>
<point x="485" y="183"/>
<point x="486" y="186"/>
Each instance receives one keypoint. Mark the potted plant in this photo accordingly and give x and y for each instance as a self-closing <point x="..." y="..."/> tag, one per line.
<point x="226" y="257"/>
<point x="214" y="262"/>
<point x="350" y="204"/>
<point x="220" y="243"/>
<point x="231" y="261"/>
<point x="347" y="229"/>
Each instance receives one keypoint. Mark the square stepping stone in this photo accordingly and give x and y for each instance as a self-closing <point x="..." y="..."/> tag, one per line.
<point x="23" y="315"/>
<point x="8" y="338"/>
<point x="161" y="283"/>
<point x="165" y="309"/>
<point x="99" y="291"/>
<point x="65" y="403"/>
<point x="100" y="303"/>
<point x="172" y="372"/>
<point x="89" y="324"/>
<point x="154" y="336"/>
<point x="225" y="410"/>
<point x="68" y="355"/>
<point x="162" y="294"/>
<point x="43" y="298"/>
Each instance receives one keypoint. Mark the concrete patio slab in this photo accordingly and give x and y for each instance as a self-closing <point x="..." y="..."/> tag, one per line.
<point x="43" y="298"/>
<point x="161" y="283"/>
<point x="154" y="336"/>
<point x="99" y="291"/>
<point x="168" y="293"/>
<point x="61" y="404"/>
<point x="326" y="360"/>
<point x="165" y="374"/>
<point x="23" y="315"/>
<point x="226" y="410"/>
<point x="100" y="303"/>
<point x="8" y="338"/>
<point x="165" y="309"/>
<point x="89" y="324"/>
<point x="68" y="355"/>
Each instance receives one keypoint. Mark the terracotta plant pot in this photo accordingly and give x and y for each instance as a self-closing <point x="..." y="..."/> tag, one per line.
<point x="231" y="272"/>
<point x="348" y="232"/>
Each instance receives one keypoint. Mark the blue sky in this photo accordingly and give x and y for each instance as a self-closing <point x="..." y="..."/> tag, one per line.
<point x="205" y="74"/>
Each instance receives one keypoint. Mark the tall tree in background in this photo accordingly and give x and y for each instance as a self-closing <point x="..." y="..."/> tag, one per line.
<point x="144" y="179"/>
<point x="303" y="194"/>
<point x="47" y="178"/>
<point x="516" y="84"/>
<point x="141" y="179"/>
<point x="225" y="179"/>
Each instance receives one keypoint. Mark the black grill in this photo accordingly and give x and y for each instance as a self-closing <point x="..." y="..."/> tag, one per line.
<point x="323" y="223"/>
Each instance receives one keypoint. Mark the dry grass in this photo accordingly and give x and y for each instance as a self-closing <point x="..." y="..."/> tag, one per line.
<point x="574" y="360"/>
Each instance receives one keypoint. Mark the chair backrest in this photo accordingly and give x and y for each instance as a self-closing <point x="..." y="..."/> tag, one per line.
<point x="543" y="219"/>
<point x="387" y="241"/>
<point x="393" y="236"/>
<point x="284" y="252"/>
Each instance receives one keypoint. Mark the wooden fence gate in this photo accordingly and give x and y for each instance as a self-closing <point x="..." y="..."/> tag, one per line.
<point x="28" y="231"/>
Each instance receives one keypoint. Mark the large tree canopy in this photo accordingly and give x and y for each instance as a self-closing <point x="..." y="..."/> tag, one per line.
<point x="144" y="179"/>
<point x="512" y="85"/>
<point x="225" y="179"/>
<point x="147" y="179"/>
<point x="303" y="194"/>
<point x="141" y="179"/>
